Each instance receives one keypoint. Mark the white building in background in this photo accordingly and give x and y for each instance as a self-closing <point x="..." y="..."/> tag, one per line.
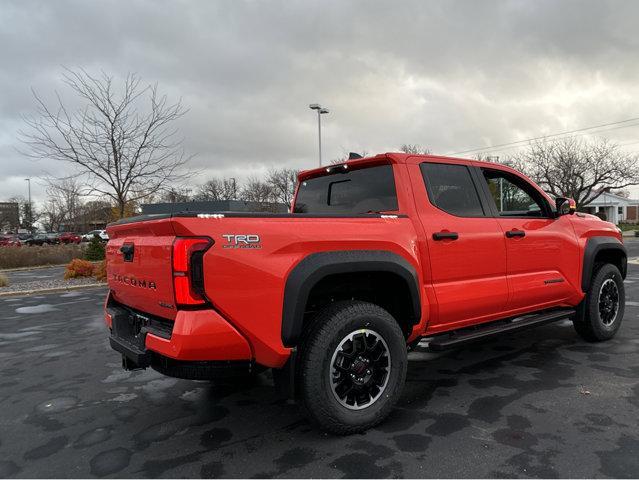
<point x="615" y="208"/>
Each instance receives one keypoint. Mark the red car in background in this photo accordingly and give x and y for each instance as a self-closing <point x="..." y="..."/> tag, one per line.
<point x="70" y="237"/>
<point x="10" y="241"/>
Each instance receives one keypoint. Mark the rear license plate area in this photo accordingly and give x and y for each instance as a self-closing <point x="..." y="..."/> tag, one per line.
<point x="130" y="327"/>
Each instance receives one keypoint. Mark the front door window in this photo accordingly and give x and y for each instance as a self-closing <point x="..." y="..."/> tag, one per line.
<point x="513" y="197"/>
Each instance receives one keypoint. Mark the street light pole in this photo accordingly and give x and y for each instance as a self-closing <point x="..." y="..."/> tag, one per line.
<point x="28" y="180"/>
<point x="319" y="136"/>
<point x="320" y="111"/>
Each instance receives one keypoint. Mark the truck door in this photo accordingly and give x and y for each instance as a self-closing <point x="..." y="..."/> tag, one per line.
<point x="541" y="251"/>
<point x="466" y="247"/>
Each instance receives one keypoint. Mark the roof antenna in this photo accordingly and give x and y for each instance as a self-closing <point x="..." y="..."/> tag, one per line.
<point x="354" y="156"/>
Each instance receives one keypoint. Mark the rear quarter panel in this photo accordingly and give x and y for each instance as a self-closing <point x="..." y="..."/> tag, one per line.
<point x="246" y="285"/>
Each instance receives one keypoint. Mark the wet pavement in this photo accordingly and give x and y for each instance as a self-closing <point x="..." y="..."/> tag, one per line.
<point x="541" y="403"/>
<point x="36" y="274"/>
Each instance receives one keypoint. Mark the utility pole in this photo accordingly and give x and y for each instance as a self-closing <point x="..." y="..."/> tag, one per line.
<point x="320" y="111"/>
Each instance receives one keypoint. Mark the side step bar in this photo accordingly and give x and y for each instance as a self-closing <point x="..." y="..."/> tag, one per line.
<point x="471" y="335"/>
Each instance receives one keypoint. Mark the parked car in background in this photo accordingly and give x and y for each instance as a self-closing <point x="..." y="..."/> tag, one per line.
<point x="70" y="237"/>
<point x="37" y="239"/>
<point x="100" y="233"/>
<point x="10" y="241"/>
<point x="24" y="237"/>
<point x="43" y="239"/>
<point x="53" y="238"/>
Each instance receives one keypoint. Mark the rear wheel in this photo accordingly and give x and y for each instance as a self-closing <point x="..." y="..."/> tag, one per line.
<point x="352" y="367"/>
<point x="602" y="312"/>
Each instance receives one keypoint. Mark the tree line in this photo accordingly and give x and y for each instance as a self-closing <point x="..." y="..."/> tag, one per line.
<point x="278" y="186"/>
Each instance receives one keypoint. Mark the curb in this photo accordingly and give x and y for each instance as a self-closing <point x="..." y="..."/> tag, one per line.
<point x="51" y="290"/>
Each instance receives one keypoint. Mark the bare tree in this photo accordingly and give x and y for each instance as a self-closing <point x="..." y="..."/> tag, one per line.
<point x="175" y="195"/>
<point x="622" y="193"/>
<point x="65" y="200"/>
<point x="282" y="182"/>
<point x="53" y="215"/>
<point x="414" y="149"/>
<point x="121" y="149"/>
<point x="95" y="213"/>
<point x="255" y="190"/>
<point x="218" y="189"/>
<point x="583" y="170"/>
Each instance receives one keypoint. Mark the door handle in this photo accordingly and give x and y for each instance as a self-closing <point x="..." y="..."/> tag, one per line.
<point x="515" y="233"/>
<point x="445" y="236"/>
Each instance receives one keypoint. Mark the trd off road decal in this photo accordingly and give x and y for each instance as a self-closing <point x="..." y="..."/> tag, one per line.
<point x="242" y="241"/>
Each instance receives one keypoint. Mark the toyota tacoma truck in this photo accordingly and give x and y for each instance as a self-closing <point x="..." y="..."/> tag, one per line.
<point x="377" y="254"/>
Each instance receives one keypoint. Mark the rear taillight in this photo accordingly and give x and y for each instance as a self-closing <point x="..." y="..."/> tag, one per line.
<point x="188" y="269"/>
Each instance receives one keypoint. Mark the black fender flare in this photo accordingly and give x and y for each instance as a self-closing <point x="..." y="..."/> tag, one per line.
<point x="594" y="245"/>
<point x="316" y="266"/>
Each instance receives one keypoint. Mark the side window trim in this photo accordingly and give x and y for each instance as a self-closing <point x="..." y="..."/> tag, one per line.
<point x="485" y="206"/>
<point x="484" y="193"/>
<point x="547" y="210"/>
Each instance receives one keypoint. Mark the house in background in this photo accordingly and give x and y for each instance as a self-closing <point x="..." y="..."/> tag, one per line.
<point x="614" y="208"/>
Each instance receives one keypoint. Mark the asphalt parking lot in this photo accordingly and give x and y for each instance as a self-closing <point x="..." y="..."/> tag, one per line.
<point x="38" y="274"/>
<point x="541" y="403"/>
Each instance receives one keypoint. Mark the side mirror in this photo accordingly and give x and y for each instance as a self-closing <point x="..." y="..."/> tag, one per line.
<point x="565" y="206"/>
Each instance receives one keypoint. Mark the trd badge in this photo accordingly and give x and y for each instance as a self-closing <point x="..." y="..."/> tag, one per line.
<point x="242" y="241"/>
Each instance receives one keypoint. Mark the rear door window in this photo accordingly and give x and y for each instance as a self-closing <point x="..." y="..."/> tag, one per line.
<point x="365" y="190"/>
<point x="451" y="188"/>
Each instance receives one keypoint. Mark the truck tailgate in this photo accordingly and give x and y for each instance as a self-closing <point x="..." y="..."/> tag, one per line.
<point x="139" y="266"/>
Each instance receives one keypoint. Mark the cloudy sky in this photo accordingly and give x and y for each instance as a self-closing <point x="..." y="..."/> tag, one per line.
<point x="449" y="75"/>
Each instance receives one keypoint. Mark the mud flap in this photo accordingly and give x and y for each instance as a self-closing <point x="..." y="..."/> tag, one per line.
<point x="284" y="378"/>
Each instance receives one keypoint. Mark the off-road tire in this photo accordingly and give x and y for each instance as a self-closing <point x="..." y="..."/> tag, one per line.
<point x="588" y="322"/>
<point x="313" y="371"/>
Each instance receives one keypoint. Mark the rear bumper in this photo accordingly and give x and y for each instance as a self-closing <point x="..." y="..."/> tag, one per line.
<point x="134" y="358"/>
<point x="200" y="339"/>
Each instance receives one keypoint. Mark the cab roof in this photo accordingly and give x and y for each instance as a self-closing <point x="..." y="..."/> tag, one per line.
<point x="398" y="158"/>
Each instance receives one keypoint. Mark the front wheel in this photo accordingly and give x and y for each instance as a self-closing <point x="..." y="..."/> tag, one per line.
<point x="603" y="308"/>
<point x="352" y="367"/>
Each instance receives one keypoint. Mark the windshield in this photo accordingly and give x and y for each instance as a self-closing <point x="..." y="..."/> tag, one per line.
<point x="367" y="190"/>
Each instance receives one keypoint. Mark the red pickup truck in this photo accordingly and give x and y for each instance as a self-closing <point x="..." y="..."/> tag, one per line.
<point x="377" y="254"/>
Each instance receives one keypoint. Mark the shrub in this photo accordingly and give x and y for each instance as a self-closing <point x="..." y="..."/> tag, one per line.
<point x="100" y="272"/>
<point x="79" y="268"/>
<point x="95" y="250"/>
<point x="14" y="257"/>
<point x="4" y="281"/>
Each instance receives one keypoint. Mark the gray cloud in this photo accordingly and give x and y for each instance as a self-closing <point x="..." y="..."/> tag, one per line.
<point x="449" y="75"/>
